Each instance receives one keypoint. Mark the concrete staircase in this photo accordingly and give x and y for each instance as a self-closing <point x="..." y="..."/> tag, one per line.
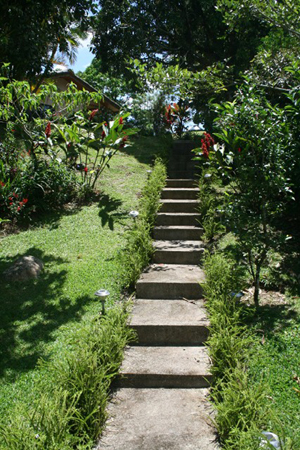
<point x="162" y="401"/>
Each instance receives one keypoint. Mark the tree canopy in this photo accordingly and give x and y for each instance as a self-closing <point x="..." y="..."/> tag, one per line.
<point x="31" y="32"/>
<point x="190" y="33"/>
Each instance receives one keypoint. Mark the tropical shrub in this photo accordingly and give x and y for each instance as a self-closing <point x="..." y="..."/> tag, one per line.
<point x="253" y="161"/>
<point x="42" y="149"/>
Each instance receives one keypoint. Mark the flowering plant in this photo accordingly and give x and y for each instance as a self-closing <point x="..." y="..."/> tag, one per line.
<point x="253" y="162"/>
<point x="175" y="116"/>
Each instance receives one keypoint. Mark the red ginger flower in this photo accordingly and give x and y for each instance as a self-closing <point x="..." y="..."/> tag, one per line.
<point x="103" y="134"/>
<point x="93" y="113"/>
<point x="121" y="121"/>
<point x="48" y="130"/>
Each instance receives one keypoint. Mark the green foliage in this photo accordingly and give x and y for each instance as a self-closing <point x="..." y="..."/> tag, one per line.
<point x="30" y="37"/>
<point x="34" y="141"/>
<point x="139" y="249"/>
<point x="73" y="411"/>
<point x="210" y="205"/>
<point x="241" y="410"/>
<point x="114" y="87"/>
<point x="255" y="162"/>
<point x="190" y="34"/>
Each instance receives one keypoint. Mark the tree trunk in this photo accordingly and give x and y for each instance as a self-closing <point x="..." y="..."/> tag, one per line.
<point x="256" y="287"/>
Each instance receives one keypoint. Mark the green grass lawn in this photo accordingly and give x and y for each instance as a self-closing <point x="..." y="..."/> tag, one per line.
<point x="277" y="361"/>
<point x="80" y="249"/>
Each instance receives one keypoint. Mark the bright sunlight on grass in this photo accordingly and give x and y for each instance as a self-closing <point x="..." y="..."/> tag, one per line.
<point x="80" y="248"/>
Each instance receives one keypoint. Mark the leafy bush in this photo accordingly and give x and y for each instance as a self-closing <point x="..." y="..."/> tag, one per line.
<point x="254" y="164"/>
<point x="34" y="173"/>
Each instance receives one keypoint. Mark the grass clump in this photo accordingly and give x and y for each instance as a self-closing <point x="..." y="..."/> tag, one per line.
<point x="240" y="409"/>
<point x="139" y="249"/>
<point x="70" y="410"/>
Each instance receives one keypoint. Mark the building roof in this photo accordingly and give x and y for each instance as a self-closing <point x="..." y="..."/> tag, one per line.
<point x="70" y="77"/>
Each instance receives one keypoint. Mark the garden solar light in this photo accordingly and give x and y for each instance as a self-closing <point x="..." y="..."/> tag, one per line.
<point x="103" y="294"/>
<point x="134" y="214"/>
<point x="237" y="294"/>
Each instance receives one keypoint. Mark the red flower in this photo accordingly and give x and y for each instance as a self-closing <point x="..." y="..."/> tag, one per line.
<point x="48" y="130"/>
<point x="25" y="200"/>
<point x="93" y="113"/>
<point x="15" y="195"/>
<point x="18" y="209"/>
<point x="124" y="139"/>
<point x="21" y="203"/>
<point x="121" y="121"/>
<point x="103" y="134"/>
<point x="1" y="183"/>
<point x="85" y="169"/>
<point x="10" y="199"/>
<point x="239" y="149"/>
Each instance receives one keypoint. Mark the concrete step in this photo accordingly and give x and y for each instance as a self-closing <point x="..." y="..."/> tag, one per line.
<point x="159" y="419"/>
<point x="178" y="252"/>
<point x="188" y="206"/>
<point x="170" y="281"/>
<point x="169" y="322"/>
<point x="177" y="232"/>
<point x="191" y="219"/>
<point x="181" y="183"/>
<point x="180" y="193"/>
<point x="165" y="367"/>
<point x="181" y="173"/>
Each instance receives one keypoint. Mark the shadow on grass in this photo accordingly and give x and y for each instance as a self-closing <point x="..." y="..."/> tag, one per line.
<point x="109" y="211"/>
<point x="30" y="312"/>
<point x="269" y="320"/>
<point x="145" y="148"/>
<point x="49" y="219"/>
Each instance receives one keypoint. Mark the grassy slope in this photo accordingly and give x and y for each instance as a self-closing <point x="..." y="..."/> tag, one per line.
<point x="80" y="251"/>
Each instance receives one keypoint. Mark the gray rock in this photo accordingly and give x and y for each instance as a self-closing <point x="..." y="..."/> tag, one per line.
<point x="24" y="269"/>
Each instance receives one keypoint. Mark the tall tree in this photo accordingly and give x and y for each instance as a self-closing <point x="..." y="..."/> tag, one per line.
<point x="31" y="32"/>
<point x="190" y="33"/>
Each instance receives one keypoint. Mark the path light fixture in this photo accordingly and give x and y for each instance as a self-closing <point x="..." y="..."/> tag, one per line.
<point x="237" y="295"/>
<point x="134" y="214"/>
<point x="103" y="294"/>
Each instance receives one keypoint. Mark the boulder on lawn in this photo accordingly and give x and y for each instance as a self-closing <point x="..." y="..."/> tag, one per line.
<point x="24" y="269"/>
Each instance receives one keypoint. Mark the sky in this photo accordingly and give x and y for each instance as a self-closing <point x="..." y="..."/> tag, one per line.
<point x="84" y="57"/>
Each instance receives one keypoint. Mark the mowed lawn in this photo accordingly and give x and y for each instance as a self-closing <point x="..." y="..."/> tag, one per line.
<point x="80" y="249"/>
